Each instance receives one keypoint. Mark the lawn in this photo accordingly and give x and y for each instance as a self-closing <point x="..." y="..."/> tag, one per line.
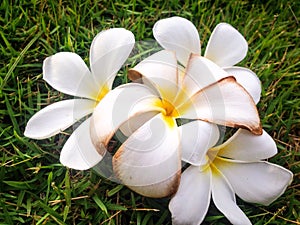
<point x="36" y="189"/>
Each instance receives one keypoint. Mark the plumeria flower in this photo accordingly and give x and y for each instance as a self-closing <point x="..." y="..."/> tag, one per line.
<point x="67" y="72"/>
<point x="226" y="47"/>
<point x="234" y="167"/>
<point x="149" y="160"/>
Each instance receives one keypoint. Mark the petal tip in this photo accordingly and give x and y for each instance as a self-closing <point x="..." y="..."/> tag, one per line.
<point x="161" y="189"/>
<point x="134" y="75"/>
<point x="257" y="130"/>
<point x="232" y="52"/>
<point x="254" y="129"/>
<point x="28" y="134"/>
<point x="72" y="165"/>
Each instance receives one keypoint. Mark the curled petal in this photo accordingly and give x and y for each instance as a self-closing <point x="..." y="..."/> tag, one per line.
<point x="67" y="72"/>
<point x="148" y="162"/>
<point x="190" y="203"/>
<point x="224" y="199"/>
<point x="57" y="117"/>
<point x="257" y="182"/>
<point x="135" y="122"/>
<point x="78" y="152"/>
<point x="118" y="107"/>
<point x="161" y="70"/>
<point x="200" y="73"/>
<point x="109" y="51"/>
<point x="243" y="145"/>
<point x="226" y="103"/>
<point x="196" y="138"/>
<point x="248" y="80"/>
<point x="226" y="46"/>
<point x="179" y="35"/>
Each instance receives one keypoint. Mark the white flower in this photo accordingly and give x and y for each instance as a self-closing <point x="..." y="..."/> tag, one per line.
<point x="234" y="167"/>
<point x="67" y="72"/>
<point x="149" y="161"/>
<point x="226" y="47"/>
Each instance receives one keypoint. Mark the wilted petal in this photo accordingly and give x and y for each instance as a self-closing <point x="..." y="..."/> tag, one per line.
<point x="196" y="138"/>
<point x="78" y="152"/>
<point x="257" y="182"/>
<point x="57" y="117"/>
<point x="178" y="34"/>
<point x="226" y="46"/>
<point x="117" y="107"/>
<point x="190" y="203"/>
<point x="225" y="103"/>
<point x="109" y="51"/>
<point x="161" y="70"/>
<point x="200" y="73"/>
<point x="148" y="162"/>
<point x="243" y="145"/>
<point x="247" y="79"/>
<point x="67" y="72"/>
<point x="224" y="199"/>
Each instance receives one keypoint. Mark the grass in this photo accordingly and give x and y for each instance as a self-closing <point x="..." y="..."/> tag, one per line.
<point x="36" y="189"/>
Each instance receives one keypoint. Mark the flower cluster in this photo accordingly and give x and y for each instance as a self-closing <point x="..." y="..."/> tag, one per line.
<point x="173" y="112"/>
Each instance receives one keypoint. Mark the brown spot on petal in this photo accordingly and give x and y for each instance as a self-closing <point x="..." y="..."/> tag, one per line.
<point x="257" y="130"/>
<point x="100" y="146"/>
<point x="118" y="154"/>
<point x="228" y="79"/>
<point x="134" y="75"/>
<point x="162" y="189"/>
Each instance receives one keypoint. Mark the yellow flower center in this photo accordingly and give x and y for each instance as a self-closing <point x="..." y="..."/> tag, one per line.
<point x="169" y="111"/>
<point x="215" y="161"/>
<point x="212" y="155"/>
<point x="212" y="161"/>
<point x="104" y="90"/>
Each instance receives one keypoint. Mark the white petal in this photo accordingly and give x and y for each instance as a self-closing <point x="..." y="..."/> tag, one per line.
<point x="224" y="199"/>
<point x="226" y="46"/>
<point x="200" y="73"/>
<point x="190" y="203"/>
<point x="247" y="79"/>
<point x="57" y="117"/>
<point x="226" y="103"/>
<point x="78" y="152"/>
<point x="148" y="162"/>
<point x="243" y="145"/>
<point x="257" y="182"/>
<point x="161" y="70"/>
<point x="135" y="122"/>
<point x="196" y="138"/>
<point x="109" y="51"/>
<point x="67" y="72"/>
<point x="179" y="35"/>
<point x="117" y="107"/>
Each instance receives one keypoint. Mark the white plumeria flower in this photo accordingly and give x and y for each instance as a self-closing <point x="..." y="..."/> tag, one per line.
<point x="67" y="72"/>
<point x="149" y="161"/>
<point x="226" y="47"/>
<point x="234" y="167"/>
